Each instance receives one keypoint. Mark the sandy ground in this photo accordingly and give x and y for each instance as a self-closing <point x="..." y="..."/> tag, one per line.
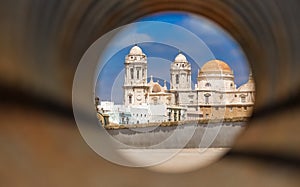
<point x="174" y="160"/>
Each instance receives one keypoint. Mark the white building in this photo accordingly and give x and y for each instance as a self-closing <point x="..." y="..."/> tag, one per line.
<point x="215" y="91"/>
<point x="133" y="114"/>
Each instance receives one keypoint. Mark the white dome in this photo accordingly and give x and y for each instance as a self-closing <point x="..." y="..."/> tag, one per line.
<point x="180" y="58"/>
<point x="136" y="50"/>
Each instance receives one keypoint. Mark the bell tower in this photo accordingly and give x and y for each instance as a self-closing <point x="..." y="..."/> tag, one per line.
<point x="181" y="73"/>
<point x="135" y="82"/>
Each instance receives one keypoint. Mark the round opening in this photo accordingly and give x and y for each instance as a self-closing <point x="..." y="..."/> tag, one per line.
<point x="173" y="91"/>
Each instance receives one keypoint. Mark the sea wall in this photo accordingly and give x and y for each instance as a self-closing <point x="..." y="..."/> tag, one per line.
<point x="171" y="137"/>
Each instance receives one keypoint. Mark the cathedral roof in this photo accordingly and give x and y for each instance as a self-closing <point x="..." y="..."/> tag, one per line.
<point x="136" y="50"/>
<point x="216" y="66"/>
<point x="155" y="87"/>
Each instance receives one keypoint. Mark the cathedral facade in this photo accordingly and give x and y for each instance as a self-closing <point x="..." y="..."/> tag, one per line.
<point x="215" y="95"/>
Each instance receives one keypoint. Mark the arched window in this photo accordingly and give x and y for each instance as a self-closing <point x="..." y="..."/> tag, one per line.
<point x="243" y="98"/>
<point x="177" y="79"/>
<point x="207" y="95"/>
<point x="131" y="73"/>
<point x="138" y="74"/>
<point x="130" y="99"/>
<point x="208" y="85"/>
<point x="206" y="99"/>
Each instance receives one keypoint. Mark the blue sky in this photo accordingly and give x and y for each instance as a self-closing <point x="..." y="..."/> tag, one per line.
<point x="198" y="38"/>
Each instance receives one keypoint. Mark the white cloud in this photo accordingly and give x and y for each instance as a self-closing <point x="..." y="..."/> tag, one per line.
<point x="128" y="36"/>
<point x="209" y="31"/>
<point x="200" y="26"/>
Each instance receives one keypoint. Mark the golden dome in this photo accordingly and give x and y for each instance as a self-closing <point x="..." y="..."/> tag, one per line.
<point x="156" y="88"/>
<point x="216" y="66"/>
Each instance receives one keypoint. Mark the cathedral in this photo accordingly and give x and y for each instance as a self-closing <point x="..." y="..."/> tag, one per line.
<point x="215" y="95"/>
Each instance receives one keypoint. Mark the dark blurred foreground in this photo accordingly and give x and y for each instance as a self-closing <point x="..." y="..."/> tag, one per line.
<point x="41" y="43"/>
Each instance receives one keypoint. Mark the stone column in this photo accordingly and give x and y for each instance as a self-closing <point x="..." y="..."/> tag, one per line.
<point x="175" y="115"/>
<point x="169" y="114"/>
